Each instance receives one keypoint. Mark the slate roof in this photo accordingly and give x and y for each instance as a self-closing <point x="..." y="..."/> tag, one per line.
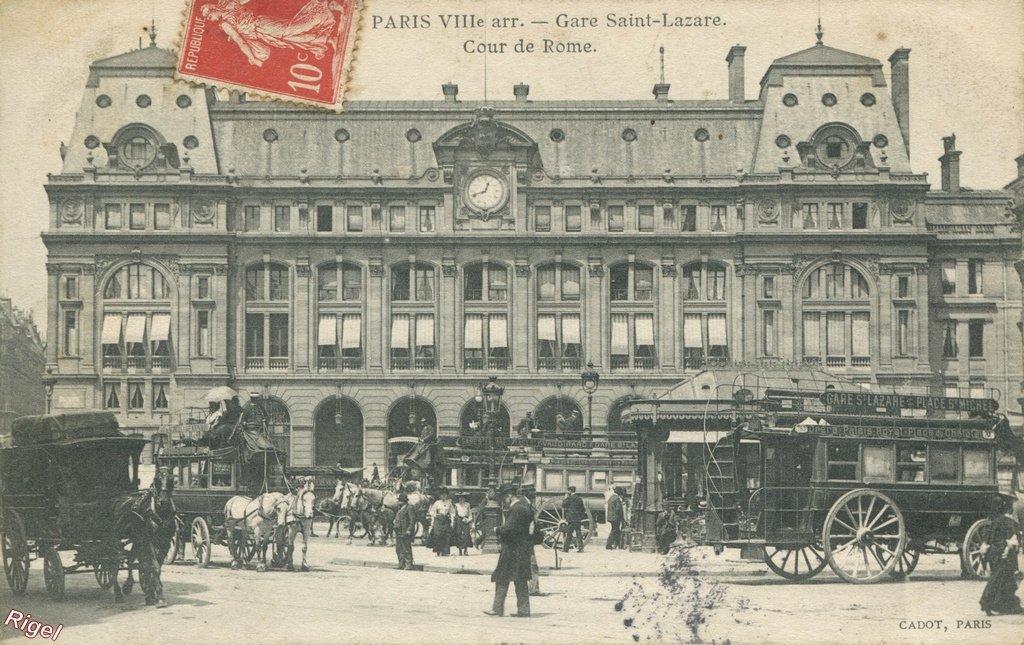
<point x="825" y="55"/>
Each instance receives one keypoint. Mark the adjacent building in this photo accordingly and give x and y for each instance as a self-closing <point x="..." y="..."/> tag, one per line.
<point x="366" y="272"/>
<point x="21" y="366"/>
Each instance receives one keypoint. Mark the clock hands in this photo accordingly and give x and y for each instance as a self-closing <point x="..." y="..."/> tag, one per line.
<point x="482" y="191"/>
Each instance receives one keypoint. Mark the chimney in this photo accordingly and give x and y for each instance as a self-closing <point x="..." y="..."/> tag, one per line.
<point x="451" y="92"/>
<point x="900" y="76"/>
<point x="1020" y="166"/>
<point x="950" y="162"/>
<point x="661" y="91"/>
<point x="521" y="91"/>
<point x="735" y="60"/>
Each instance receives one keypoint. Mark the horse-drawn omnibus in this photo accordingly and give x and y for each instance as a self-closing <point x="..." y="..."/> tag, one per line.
<point x="859" y="481"/>
<point x="244" y="462"/>
<point x="60" y="478"/>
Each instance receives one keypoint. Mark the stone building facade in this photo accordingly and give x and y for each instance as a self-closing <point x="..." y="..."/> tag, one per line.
<point x="367" y="271"/>
<point x="21" y="366"/>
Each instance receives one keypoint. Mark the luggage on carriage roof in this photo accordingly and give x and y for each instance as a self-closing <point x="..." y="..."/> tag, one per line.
<point x="50" y="428"/>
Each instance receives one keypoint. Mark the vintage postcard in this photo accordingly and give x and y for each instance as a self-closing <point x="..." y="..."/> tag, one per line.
<point x="487" y="321"/>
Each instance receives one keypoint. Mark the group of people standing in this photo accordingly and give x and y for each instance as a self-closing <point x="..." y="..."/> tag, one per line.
<point x="450" y="523"/>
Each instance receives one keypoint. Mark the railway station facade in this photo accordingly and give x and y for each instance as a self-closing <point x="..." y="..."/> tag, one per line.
<point x="366" y="272"/>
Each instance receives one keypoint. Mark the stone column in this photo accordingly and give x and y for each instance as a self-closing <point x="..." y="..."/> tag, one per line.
<point x="447" y="321"/>
<point x="522" y="314"/>
<point x="595" y="345"/>
<point x="303" y="339"/>
<point x="669" y="327"/>
<point x="87" y="336"/>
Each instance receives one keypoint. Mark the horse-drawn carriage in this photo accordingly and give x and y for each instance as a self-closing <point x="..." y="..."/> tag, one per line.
<point x="842" y="479"/>
<point x="241" y="461"/>
<point x="69" y="483"/>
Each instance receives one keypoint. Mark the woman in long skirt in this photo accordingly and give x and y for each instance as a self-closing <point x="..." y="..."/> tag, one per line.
<point x="1000" y="595"/>
<point x="463" y="522"/>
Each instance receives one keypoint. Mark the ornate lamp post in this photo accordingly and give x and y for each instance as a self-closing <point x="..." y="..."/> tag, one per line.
<point x="48" y="382"/>
<point x="490" y="396"/>
<point x="589" y="379"/>
<point x="491" y="393"/>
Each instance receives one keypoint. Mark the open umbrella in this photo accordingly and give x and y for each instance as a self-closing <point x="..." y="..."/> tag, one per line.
<point x="220" y="393"/>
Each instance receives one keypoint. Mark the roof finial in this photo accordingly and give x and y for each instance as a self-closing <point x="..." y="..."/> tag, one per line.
<point x="152" y="33"/>
<point x="819" y="32"/>
<point x="661" y="50"/>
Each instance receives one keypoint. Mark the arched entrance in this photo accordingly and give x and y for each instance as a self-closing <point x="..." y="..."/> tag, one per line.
<point x="559" y="414"/>
<point x="614" y="419"/>
<point x="338" y="433"/>
<point x="500" y="427"/>
<point x="407" y="421"/>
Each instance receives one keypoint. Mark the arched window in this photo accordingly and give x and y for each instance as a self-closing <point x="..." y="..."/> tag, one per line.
<point x="413" y="337"/>
<point x="340" y="322"/>
<point x="413" y="281"/>
<point x="632" y="317"/>
<point x="631" y="281"/>
<point x="342" y="282"/>
<point x="559" y="340"/>
<point x="485" y="282"/>
<point x="267" y="337"/>
<point x="132" y="337"/>
<point x="559" y="414"/>
<point x="485" y="328"/>
<point x="703" y="281"/>
<point x="836" y="317"/>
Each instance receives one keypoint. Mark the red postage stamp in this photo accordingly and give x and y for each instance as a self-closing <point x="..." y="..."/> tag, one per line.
<point x="291" y="49"/>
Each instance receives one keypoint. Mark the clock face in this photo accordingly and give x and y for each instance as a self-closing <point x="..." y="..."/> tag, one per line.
<point x="485" y="192"/>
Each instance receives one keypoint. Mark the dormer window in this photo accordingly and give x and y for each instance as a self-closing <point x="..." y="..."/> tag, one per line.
<point x="835" y="147"/>
<point x="139" y="151"/>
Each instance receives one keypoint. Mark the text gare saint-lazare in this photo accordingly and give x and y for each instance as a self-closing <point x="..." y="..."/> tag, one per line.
<point x="546" y="45"/>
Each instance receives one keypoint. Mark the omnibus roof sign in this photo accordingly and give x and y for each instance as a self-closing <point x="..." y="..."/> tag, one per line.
<point x="870" y="401"/>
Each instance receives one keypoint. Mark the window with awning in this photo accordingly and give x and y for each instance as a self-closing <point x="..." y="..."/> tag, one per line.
<point x="693" y="337"/>
<point x="425" y="330"/>
<point x="644" y="330"/>
<point x="473" y="338"/>
<point x="351" y="332"/>
<point x="546" y="328"/>
<point x="161" y="328"/>
<point x="111" y="329"/>
<point x="327" y="330"/>
<point x="570" y="329"/>
<point x="498" y="332"/>
<point x="620" y="335"/>
<point x="135" y="329"/>
<point x="400" y="331"/>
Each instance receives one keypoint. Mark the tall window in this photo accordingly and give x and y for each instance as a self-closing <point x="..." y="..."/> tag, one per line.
<point x="703" y="282"/>
<point x="645" y="218"/>
<point x="903" y="332"/>
<point x="976" y="338"/>
<point x="558" y="282"/>
<point x="161" y="216"/>
<point x="112" y="396"/>
<point x="354" y="219"/>
<point x="136" y="319"/>
<point x="112" y="217"/>
<point x="485" y="282"/>
<point x="339" y="283"/>
<point x="339" y="341"/>
<point x="688" y="218"/>
<point x="860" y="215"/>
<point x="137" y="217"/>
<point x="616" y="218"/>
<point x="542" y="219"/>
<point x="266" y="282"/>
<point x="428" y="219"/>
<point x="836" y="317"/>
<point x="558" y="341"/>
<point x="573" y="214"/>
<point x="632" y="281"/>
<point x="485" y="342"/>
<point x="975" y="284"/>
<point x="835" y="215"/>
<point x="718" y="218"/>
<point x="705" y="339"/>
<point x="282" y="219"/>
<point x="948" y="277"/>
<point x="950" y="349"/>
<point x="769" y="333"/>
<point x="267" y="336"/>
<point x="412" y="341"/>
<point x="809" y="213"/>
<point x="252" y="218"/>
<point x="203" y="347"/>
<point x="396" y="219"/>
<point x="324" y="218"/>
<point x="70" y="344"/>
<point x="412" y="282"/>
<point x="632" y="341"/>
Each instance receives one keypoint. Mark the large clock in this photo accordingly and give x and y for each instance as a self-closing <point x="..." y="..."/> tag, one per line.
<point x="485" y="192"/>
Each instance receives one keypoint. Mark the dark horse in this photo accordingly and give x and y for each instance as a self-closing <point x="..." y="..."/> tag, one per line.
<point x="147" y="520"/>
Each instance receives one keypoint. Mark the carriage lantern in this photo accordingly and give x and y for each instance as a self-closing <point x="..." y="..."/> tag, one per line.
<point x="589" y="379"/>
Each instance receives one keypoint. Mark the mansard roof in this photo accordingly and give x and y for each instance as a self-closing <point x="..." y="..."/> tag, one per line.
<point x="147" y="61"/>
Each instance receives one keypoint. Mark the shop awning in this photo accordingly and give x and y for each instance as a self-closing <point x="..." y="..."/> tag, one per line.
<point x="695" y="436"/>
<point x="161" y="329"/>
<point x="111" y="329"/>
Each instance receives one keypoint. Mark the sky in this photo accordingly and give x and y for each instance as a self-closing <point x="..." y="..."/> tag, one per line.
<point x="966" y="71"/>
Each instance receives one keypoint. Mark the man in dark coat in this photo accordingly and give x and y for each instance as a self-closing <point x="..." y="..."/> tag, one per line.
<point x="615" y="518"/>
<point x="405" y="530"/>
<point x="575" y="513"/>
<point x="515" y="536"/>
<point x="1000" y="594"/>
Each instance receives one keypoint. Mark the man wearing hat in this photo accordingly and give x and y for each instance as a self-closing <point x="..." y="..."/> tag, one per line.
<point x="575" y="512"/>
<point x="616" y="516"/>
<point x="516" y="538"/>
<point x="405" y="530"/>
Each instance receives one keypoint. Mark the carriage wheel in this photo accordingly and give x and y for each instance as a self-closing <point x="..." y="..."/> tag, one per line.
<point x="249" y="548"/>
<point x="550" y="519"/>
<point x="177" y="548"/>
<point x="201" y="542"/>
<point x="907" y="562"/>
<point x="972" y="555"/>
<point x="864" y="536"/>
<point x="15" y="552"/>
<point x="802" y="563"/>
<point x="53" y="573"/>
<point x="104" y="577"/>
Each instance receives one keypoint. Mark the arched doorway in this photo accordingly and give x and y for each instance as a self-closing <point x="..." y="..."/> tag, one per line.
<point x="338" y="433"/>
<point x="500" y="427"/>
<point x="559" y="408"/>
<point x="614" y="419"/>
<point x="407" y="421"/>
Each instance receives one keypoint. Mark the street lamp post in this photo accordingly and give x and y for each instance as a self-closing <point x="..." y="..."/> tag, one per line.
<point x="489" y="396"/>
<point x="48" y="382"/>
<point x="589" y="379"/>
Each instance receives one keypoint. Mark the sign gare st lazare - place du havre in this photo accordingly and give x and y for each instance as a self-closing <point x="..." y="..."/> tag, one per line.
<point x="689" y="322"/>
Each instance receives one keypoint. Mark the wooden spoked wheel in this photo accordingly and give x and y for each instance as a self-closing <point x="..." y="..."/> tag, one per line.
<point x="864" y="536"/>
<point x="973" y="562"/>
<point x="53" y="573"/>
<point x="104" y="577"/>
<point x="801" y="563"/>
<point x="201" y="542"/>
<point x="177" y="548"/>
<point x="907" y="562"/>
<point x="15" y="553"/>
<point x="550" y="519"/>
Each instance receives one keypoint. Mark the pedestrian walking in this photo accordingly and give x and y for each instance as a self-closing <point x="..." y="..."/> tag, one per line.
<point x="516" y="537"/>
<point x="463" y="521"/>
<point x="575" y="513"/>
<point x="441" y="515"/>
<point x="616" y="516"/>
<point x="1000" y="594"/>
<point x="405" y="530"/>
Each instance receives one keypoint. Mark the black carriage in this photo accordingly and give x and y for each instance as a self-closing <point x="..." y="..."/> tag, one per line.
<point x="241" y="462"/>
<point x="851" y="485"/>
<point x="59" y="477"/>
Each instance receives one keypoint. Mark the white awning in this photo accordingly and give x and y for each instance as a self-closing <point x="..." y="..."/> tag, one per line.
<point x="161" y="328"/>
<point x="620" y="334"/>
<point x="716" y="329"/>
<point x="949" y="272"/>
<point x="327" y="331"/>
<point x="693" y="336"/>
<point x="111" y="329"/>
<point x="694" y="436"/>
<point x="351" y="331"/>
<point x="474" y="336"/>
<point x="400" y="332"/>
<point x="546" y="328"/>
<point x="425" y="330"/>
<point x="570" y="330"/>
<point x="498" y="332"/>
<point x="135" y="330"/>
<point x="645" y="330"/>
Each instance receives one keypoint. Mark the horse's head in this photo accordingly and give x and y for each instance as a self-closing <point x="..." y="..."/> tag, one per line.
<point x="162" y="490"/>
<point x="339" y="490"/>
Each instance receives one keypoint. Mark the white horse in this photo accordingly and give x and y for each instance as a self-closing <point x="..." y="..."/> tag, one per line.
<point x="378" y="506"/>
<point x="264" y="517"/>
<point x="299" y="520"/>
